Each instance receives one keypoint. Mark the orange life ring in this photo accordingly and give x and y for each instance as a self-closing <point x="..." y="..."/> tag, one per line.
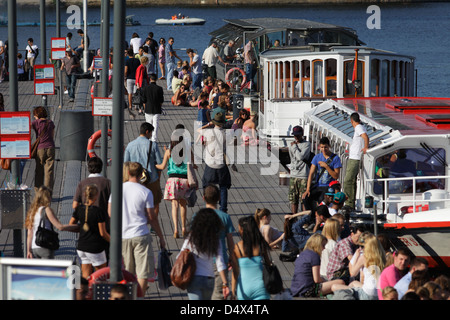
<point x="103" y="274"/>
<point x="228" y="77"/>
<point x="92" y="140"/>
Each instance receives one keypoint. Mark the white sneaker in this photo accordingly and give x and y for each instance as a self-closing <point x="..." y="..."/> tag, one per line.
<point x="66" y="92"/>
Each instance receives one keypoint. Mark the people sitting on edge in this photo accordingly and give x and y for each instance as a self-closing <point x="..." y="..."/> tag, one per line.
<point x="417" y="263"/>
<point x="393" y="273"/>
<point x="271" y="234"/>
<point x="337" y="203"/>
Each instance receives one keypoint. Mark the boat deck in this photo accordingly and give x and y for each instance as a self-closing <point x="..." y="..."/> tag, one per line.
<point x="249" y="190"/>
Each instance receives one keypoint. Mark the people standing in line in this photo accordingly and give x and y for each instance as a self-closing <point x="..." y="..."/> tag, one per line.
<point x="212" y="197"/>
<point x="307" y="281"/>
<point x="153" y="98"/>
<point x="216" y="167"/>
<point x="142" y="80"/>
<point x="45" y="159"/>
<point x="162" y="58"/>
<point x="170" y="55"/>
<point x="32" y="53"/>
<point x="177" y="184"/>
<point x="135" y="43"/>
<point x="146" y="151"/>
<point x="299" y="153"/>
<point x="131" y="65"/>
<point x="71" y="65"/>
<point x="40" y="207"/>
<point x="137" y="212"/>
<point x="210" y="57"/>
<point x="204" y="242"/>
<point x="358" y="147"/>
<point x="328" y="166"/>
<point x="196" y="65"/>
<point x="393" y="273"/>
<point x="248" y="257"/>
<point x="93" y="240"/>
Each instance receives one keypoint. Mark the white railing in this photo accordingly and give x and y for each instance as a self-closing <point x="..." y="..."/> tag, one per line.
<point x="414" y="192"/>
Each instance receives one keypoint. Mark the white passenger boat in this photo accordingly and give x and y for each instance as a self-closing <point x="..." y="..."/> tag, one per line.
<point x="318" y="85"/>
<point x="183" y="21"/>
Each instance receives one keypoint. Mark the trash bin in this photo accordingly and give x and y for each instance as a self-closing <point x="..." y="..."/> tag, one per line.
<point x="75" y="129"/>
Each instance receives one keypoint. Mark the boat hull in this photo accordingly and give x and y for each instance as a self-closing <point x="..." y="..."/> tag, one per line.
<point x="428" y="240"/>
<point x="180" y="22"/>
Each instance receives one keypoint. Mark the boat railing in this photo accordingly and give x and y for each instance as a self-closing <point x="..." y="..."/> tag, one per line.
<point x="387" y="199"/>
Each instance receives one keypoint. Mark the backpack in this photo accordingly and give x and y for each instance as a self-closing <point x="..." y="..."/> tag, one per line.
<point x="310" y="158"/>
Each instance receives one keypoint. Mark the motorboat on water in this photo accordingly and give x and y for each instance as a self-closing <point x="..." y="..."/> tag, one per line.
<point x="317" y="81"/>
<point x="180" y="20"/>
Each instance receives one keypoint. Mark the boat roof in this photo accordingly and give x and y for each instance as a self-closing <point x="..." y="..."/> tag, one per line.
<point x="234" y="28"/>
<point x="383" y="117"/>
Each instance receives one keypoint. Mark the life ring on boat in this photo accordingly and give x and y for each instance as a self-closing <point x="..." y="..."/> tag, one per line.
<point x="410" y="209"/>
<point x="230" y="77"/>
<point x="92" y="140"/>
<point x="103" y="274"/>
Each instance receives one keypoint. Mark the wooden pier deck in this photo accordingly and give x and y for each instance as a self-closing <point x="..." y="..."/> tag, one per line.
<point x="250" y="190"/>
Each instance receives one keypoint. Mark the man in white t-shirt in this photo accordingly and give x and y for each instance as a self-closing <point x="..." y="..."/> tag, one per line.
<point x="210" y="56"/>
<point x="196" y="66"/>
<point x="32" y="53"/>
<point x="359" y="146"/>
<point x="137" y="213"/>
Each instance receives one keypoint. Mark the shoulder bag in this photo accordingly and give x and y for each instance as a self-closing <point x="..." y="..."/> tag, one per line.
<point x="183" y="269"/>
<point x="192" y="176"/>
<point x="145" y="178"/>
<point x="271" y="275"/>
<point x="46" y="238"/>
<point x="34" y="146"/>
<point x="6" y="164"/>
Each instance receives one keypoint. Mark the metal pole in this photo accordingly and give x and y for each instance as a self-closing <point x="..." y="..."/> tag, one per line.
<point x="43" y="50"/>
<point x="117" y="147"/>
<point x="58" y="64"/>
<point x="104" y="79"/>
<point x="86" y="46"/>
<point x="14" y="104"/>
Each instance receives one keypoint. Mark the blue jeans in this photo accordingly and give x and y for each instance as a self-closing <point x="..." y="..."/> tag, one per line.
<point x="197" y="80"/>
<point x="249" y="71"/>
<point x="223" y="202"/>
<point x="201" y="288"/>
<point x="299" y="236"/>
<point x="71" y="81"/>
<point x="170" y="68"/>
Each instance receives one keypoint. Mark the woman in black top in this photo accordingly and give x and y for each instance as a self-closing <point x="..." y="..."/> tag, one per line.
<point x="93" y="237"/>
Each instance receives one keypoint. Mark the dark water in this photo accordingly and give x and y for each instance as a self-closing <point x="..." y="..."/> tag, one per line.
<point x="420" y="30"/>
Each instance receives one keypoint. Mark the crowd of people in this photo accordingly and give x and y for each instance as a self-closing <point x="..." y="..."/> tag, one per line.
<point x="331" y="257"/>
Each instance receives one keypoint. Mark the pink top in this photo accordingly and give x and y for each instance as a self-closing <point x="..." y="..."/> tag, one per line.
<point x="388" y="278"/>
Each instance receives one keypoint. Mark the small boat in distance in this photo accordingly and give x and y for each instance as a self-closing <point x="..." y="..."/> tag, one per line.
<point x="180" y="20"/>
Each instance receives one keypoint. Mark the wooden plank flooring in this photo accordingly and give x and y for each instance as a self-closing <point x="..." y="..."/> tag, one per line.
<point x="250" y="190"/>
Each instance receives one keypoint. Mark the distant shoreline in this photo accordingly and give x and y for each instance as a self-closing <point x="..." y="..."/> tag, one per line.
<point x="219" y="3"/>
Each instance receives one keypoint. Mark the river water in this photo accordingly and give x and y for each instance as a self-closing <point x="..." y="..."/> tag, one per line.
<point x="419" y="29"/>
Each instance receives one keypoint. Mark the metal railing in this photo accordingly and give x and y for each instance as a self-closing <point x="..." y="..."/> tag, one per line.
<point x="414" y="179"/>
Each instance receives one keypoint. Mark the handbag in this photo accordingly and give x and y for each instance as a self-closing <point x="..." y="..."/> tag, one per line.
<point x="191" y="197"/>
<point x="6" y="164"/>
<point x="145" y="178"/>
<point x="163" y="269"/>
<point x="183" y="269"/>
<point x="34" y="146"/>
<point x="46" y="238"/>
<point x="192" y="176"/>
<point x="137" y="97"/>
<point x="272" y="277"/>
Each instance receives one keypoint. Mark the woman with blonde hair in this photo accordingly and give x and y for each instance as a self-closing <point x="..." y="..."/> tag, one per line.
<point x="372" y="262"/>
<point x="40" y="208"/>
<point x="307" y="281"/>
<point x="94" y="238"/>
<point x="272" y="235"/>
<point x="331" y="231"/>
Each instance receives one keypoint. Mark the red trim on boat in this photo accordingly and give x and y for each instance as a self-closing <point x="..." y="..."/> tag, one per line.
<point x="418" y="225"/>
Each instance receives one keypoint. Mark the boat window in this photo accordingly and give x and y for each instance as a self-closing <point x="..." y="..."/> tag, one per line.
<point x="287" y="80"/>
<point x="393" y="78"/>
<point x="411" y="162"/>
<point x="351" y="81"/>
<point x="318" y="78"/>
<point x="296" y="78"/>
<point x="384" y="89"/>
<point x="269" y="82"/>
<point x="330" y="78"/>
<point x="271" y="39"/>
<point x="374" y="78"/>
<point x="306" y="80"/>
<point x="401" y="76"/>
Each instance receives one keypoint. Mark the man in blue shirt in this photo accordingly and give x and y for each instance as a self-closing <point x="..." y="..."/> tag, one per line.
<point x="325" y="167"/>
<point x="418" y="264"/>
<point x="138" y="151"/>
<point x="170" y="62"/>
